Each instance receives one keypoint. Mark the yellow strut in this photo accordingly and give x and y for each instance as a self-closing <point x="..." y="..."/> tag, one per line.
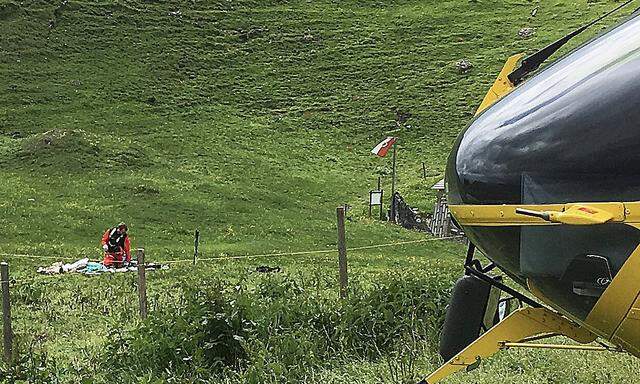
<point x="521" y="324"/>
<point x="502" y="85"/>
<point x="560" y="346"/>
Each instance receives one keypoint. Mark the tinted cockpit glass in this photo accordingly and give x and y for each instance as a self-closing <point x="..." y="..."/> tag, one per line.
<point x="574" y="264"/>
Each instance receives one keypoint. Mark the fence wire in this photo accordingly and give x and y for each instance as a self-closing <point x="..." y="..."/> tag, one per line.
<point x="250" y="256"/>
<point x="320" y="251"/>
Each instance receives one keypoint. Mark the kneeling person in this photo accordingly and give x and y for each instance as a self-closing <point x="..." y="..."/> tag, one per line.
<point x="116" y="246"/>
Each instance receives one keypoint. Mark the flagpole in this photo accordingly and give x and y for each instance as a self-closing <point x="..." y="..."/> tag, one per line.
<point x="393" y="186"/>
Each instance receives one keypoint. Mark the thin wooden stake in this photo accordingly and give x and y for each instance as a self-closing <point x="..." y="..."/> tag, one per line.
<point x="424" y="171"/>
<point x="393" y="187"/>
<point x="142" y="283"/>
<point x="195" y="247"/>
<point x="342" y="253"/>
<point x="381" y="203"/>
<point x="381" y="198"/>
<point x="6" y="313"/>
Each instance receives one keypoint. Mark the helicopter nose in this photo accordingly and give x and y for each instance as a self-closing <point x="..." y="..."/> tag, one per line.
<point x="576" y="122"/>
<point x="569" y="134"/>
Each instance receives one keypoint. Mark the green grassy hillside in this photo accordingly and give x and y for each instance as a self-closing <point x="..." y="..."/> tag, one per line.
<point x="248" y="120"/>
<point x="251" y="121"/>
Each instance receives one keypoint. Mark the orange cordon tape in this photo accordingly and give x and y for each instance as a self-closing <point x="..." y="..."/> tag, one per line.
<point x="307" y="252"/>
<point x="60" y="258"/>
<point x="22" y="280"/>
<point x="32" y="256"/>
<point x="405" y="242"/>
<point x="56" y="258"/>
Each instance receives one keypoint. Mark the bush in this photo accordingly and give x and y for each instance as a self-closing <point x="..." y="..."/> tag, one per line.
<point x="206" y="333"/>
<point x="31" y="363"/>
<point x="280" y="328"/>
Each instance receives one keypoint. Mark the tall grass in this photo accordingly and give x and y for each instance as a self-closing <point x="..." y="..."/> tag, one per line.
<point x="281" y="330"/>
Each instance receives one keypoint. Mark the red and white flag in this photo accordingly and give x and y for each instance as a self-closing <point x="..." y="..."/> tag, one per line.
<point x="382" y="148"/>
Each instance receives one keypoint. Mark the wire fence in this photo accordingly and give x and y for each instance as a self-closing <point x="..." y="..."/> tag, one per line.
<point x="299" y="253"/>
<point x="6" y="281"/>
<point x="249" y="256"/>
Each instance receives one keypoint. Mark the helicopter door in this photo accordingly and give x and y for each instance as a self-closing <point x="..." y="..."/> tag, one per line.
<point x="572" y="264"/>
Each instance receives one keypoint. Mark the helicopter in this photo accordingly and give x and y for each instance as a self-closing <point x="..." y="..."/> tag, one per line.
<point x="545" y="183"/>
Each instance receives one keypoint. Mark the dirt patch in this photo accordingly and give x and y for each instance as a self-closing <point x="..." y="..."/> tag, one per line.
<point x="57" y="14"/>
<point x="9" y="11"/>
<point x="60" y="140"/>
<point x="76" y="149"/>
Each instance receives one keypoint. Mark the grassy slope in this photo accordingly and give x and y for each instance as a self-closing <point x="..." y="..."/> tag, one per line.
<point x="248" y="120"/>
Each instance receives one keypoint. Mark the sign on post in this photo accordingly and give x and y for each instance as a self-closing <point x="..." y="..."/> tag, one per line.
<point x="375" y="199"/>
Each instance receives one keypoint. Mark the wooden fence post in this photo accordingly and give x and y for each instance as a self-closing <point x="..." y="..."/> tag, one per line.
<point x="381" y="198"/>
<point x="393" y="188"/>
<point x="142" y="283"/>
<point x="6" y="313"/>
<point x="195" y="246"/>
<point x="342" y="253"/>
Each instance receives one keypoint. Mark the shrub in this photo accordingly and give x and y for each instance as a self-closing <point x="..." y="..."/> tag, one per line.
<point x="279" y="328"/>
<point x="207" y="334"/>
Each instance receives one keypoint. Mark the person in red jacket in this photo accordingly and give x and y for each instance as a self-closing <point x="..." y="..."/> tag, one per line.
<point x="116" y="246"/>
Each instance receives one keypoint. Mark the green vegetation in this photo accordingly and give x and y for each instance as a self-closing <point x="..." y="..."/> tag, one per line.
<point x="225" y="322"/>
<point x="251" y="121"/>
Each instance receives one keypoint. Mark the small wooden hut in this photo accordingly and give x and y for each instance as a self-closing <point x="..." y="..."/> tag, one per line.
<point x="440" y="224"/>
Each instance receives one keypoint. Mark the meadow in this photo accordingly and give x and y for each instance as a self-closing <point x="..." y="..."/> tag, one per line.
<point x="250" y="121"/>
